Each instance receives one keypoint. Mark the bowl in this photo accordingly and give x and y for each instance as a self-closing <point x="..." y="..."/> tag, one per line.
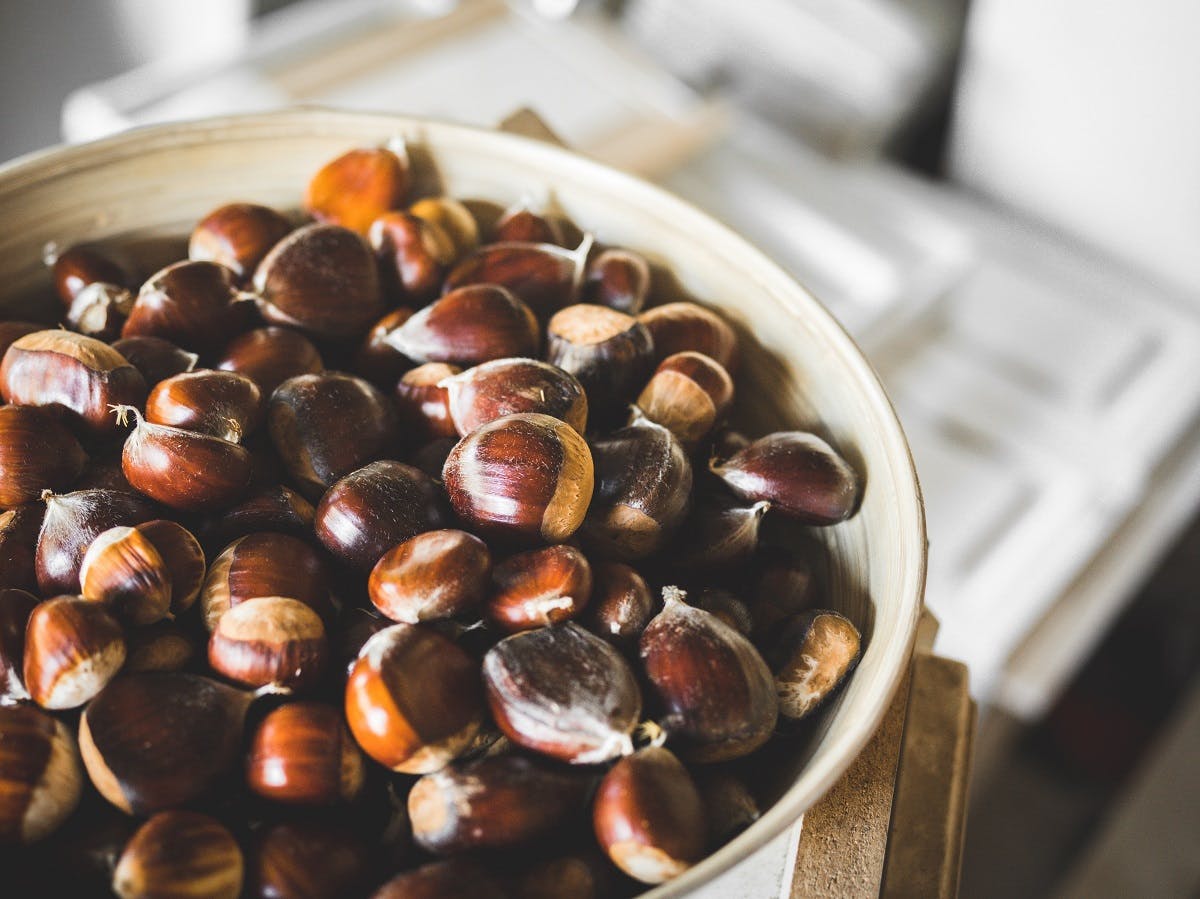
<point x="800" y="369"/>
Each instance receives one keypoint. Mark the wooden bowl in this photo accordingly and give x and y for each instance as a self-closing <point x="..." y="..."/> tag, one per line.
<point x="148" y="187"/>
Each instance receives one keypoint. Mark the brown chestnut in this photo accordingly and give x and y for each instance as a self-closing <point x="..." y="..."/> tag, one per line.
<point x="503" y="802"/>
<point x="433" y="575"/>
<point x="725" y="606"/>
<point x="41" y="779"/>
<point x="183" y="469"/>
<point x="525" y="476"/>
<point x="539" y="588"/>
<point x="270" y="641"/>
<point x="73" y="647"/>
<point x="649" y="817"/>
<point x="180" y="854"/>
<point x="688" y="394"/>
<point x="218" y="403"/>
<point x="15" y="608"/>
<point x="306" y="860"/>
<point x="357" y="187"/>
<point x="413" y="255"/>
<point x="729" y="806"/>
<point x="377" y="360"/>
<point x="454" y="878"/>
<point x="100" y="311"/>
<point x="78" y="373"/>
<point x="621" y="604"/>
<point x="785" y="585"/>
<point x="70" y="524"/>
<point x="372" y="509"/>
<point x="468" y="326"/>
<point x="543" y="276"/>
<point x="798" y="473"/>
<point x="716" y="690"/>
<point x="156" y="358"/>
<point x="277" y="508"/>
<point x="813" y="655"/>
<point x="159" y="740"/>
<point x="237" y="236"/>
<point x="619" y="279"/>
<point x="413" y="700"/>
<point x="264" y="564"/>
<point x="124" y="570"/>
<point x="610" y="353"/>
<point x="643" y="491"/>
<point x="18" y="544"/>
<point x="453" y="219"/>
<point x="327" y="425"/>
<point x="521" y="224"/>
<point x="431" y="458"/>
<point x="507" y="386"/>
<point x="581" y="875"/>
<point x="37" y="452"/>
<point x="303" y="754"/>
<point x="164" y="646"/>
<point x="563" y="692"/>
<point x="269" y="356"/>
<point x="195" y="305"/>
<point x="720" y="532"/>
<point x="681" y="326"/>
<point x="184" y="557"/>
<point x="423" y="402"/>
<point x="79" y="265"/>
<point x="322" y="279"/>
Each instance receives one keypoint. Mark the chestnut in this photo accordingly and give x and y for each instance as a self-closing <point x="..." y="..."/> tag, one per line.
<point x="454" y="878"/>
<point x="269" y="356"/>
<point x="413" y="255"/>
<point x="15" y="608"/>
<point x="431" y="458"/>
<point x="277" y="508"/>
<point x="524" y="476"/>
<point x="156" y="358"/>
<point x="785" y="585"/>
<point x="453" y="219"/>
<point x="581" y="875"/>
<point x="73" y="647"/>
<point x="521" y="224"/>
<point x="78" y="373"/>
<point x="719" y="533"/>
<point x="538" y="588"/>
<point x="237" y="236"/>
<point x="355" y="627"/>
<point x="41" y="779"/>
<point x="687" y="394"/>
<point x="184" y="557"/>
<point x="377" y="360"/>
<point x="305" y="860"/>
<point x="37" y="452"/>
<point x="180" y="854"/>
<point x="100" y="311"/>
<point x="621" y="604"/>
<point x="357" y="187"/>
<point x="372" y="509"/>
<point x="812" y="656"/>
<point x="164" y="646"/>
<point x="437" y="574"/>
<point x="680" y="326"/>
<point x="195" y="305"/>
<point x="70" y="524"/>
<point x="563" y="692"/>
<point x="725" y="606"/>
<point x="303" y="754"/>
<point x="507" y="386"/>
<point x="468" y="326"/>
<point x="423" y="401"/>
<point x="19" y="529"/>
<point x="729" y="806"/>
<point x="158" y="740"/>
<point x="611" y="353"/>
<point x="79" y="265"/>
<point x="649" y="817"/>
<point x="218" y="403"/>
<point x="125" y="571"/>
<point x="270" y="641"/>
<point x="183" y="469"/>
<point x="264" y="564"/>
<point x="327" y="425"/>
<point x="716" y="690"/>
<point x="502" y="802"/>
<point x="321" y="279"/>
<point x="643" y="491"/>
<point x="413" y="699"/>
<point x="798" y="473"/>
<point x="619" y="279"/>
<point x="543" y="276"/>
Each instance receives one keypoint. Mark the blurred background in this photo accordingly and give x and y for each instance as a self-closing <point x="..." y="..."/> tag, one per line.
<point x="998" y="198"/>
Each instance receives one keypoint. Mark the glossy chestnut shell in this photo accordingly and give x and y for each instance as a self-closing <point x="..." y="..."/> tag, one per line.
<point x="41" y="779"/>
<point x="507" y="386"/>
<point x="302" y="754"/>
<point x="195" y="305"/>
<point x="37" y="452"/>
<point x="468" y="326"/>
<point x="269" y="356"/>
<point x="433" y="575"/>
<point x="237" y="236"/>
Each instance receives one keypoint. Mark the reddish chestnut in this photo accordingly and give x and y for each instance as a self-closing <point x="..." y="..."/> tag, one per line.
<point x="423" y="401"/>
<point x="79" y="265"/>
<point x="521" y="224"/>
<point x="73" y="647"/>
<point x="681" y="326"/>
<point x="543" y="276"/>
<point x="377" y="360"/>
<point x="218" y="403"/>
<point x="303" y="754"/>
<point x="413" y="255"/>
<point x="468" y="326"/>
<point x="237" y="236"/>
<point x="437" y="574"/>
<point x="41" y="779"/>
<point x="538" y="588"/>
<point x="264" y="564"/>
<point x="195" y="305"/>
<point x="100" y="311"/>
<point x="270" y="641"/>
<point x="619" y="279"/>
<point x="611" y="353"/>
<point x="155" y="358"/>
<point x="357" y="187"/>
<point x="277" y="508"/>
<point x="269" y="356"/>
<point x="184" y="557"/>
<point x="688" y="394"/>
<point x="70" y="524"/>
<point x="124" y="570"/>
<point x="18" y="544"/>
<point x="37" y="452"/>
<point x="507" y="386"/>
<point x="621" y="604"/>
<point x="180" y="854"/>
<point x="306" y="860"/>
<point x="15" y="608"/>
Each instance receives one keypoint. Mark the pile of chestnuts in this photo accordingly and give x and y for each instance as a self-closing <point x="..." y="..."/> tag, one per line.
<point x="403" y="550"/>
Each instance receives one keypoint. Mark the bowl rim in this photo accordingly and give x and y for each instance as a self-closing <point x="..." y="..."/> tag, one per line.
<point x="825" y="769"/>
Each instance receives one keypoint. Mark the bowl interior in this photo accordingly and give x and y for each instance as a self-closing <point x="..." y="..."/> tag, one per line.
<point x="799" y="369"/>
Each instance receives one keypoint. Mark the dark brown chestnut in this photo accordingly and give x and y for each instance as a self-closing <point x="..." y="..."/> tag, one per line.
<point x="525" y="477"/>
<point x="503" y="802"/>
<point x="18" y="545"/>
<point x="357" y="187"/>
<point x="726" y="606"/>
<point x="423" y="402"/>
<point x="218" y="403"/>
<point x="798" y="473"/>
<point x="303" y="754"/>
<point x="431" y="458"/>
<point x="433" y="575"/>
<point x="413" y="255"/>
<point x="269" y="356"/>
<point x="563" y="692"/>
<point x="355" y="627"/>
<point x="454" y="878"/>
<point x="156" y="358"/>
<point x="413" y="701"/>
<point x="649" y="817"/>
<point x="812" y="656"/>
<point x="521" y="224"/>
<point x="237" y="236"/>
<point x="785" y="585"/>
<point x="619" y="279"/>
<point x="100" y="311"/>
<point x="539" y="588"/>
<point x="621" y="604"/>
<point x="610" y="353"/>
<point x="453" y="219"/>
<point x="580" y="875"/>
<point x="306" y="860"/>
<point x="688" y="394"/>
<point x="270" y="641"/>
<point x="277" y="508"/>
<point x="729" y="806"/>
<point x="195" y="305"/>
<point x="264" y="564"/>
<point x="372" y="509"/>
<point x="37" y="452"/>
<point x="322" y="279"/>
<point x="468" y="326"/>
<point x="165" y="646"/>
<point x="70" y="524"/>
<point x="159" y="740"/>
<point x="124" y="570"/>
<point x="182" y="855"/>
<point x="543" y="276"/>
<point x="327" y="425"/>
<point x="720" y="532"/>
<point x="78" y="373"/>
<point x="183" y="469"/>
<point x="41" y="779"/>
<point x="507" y="386"/>
<point x="73" y="647"/>
<point x="79" y="265"/>
<point x="681" y="326"/>
<point x="717" y="692"/>
<point x="377" y="360"/>
<point x="15" y="608"/>
<point x="184" y="557"/>
<point x="643" y="491"/>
